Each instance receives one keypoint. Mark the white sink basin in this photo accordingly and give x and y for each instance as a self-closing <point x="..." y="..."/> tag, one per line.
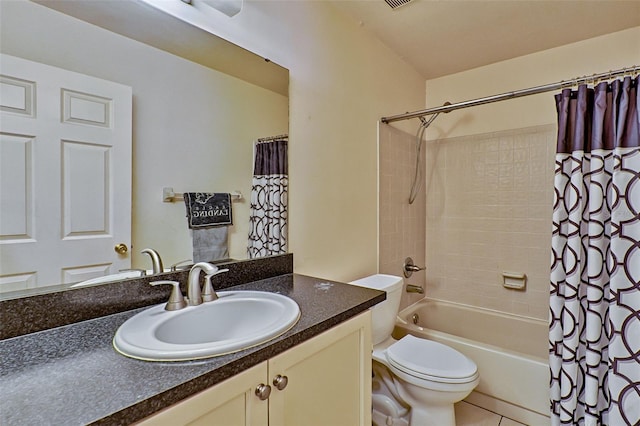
<point x="236" y="321"/>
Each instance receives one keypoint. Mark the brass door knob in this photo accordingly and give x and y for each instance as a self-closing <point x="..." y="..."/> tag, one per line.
<point x="121" y="248"/>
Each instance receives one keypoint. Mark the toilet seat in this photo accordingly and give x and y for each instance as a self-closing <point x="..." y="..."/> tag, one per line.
<point x="429" y="360"/>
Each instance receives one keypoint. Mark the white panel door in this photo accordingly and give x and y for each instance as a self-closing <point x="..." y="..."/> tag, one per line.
<point x="65" y="175"/>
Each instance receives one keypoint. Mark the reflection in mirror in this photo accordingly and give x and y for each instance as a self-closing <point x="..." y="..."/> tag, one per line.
<point x="125" y="275"/>
<point x="194" y="121"/>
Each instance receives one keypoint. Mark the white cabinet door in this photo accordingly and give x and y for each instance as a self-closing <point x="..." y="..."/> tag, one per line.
<point x="65" y="175"/>
<point x="230" y="403"/>
<point x="328" y="379"/>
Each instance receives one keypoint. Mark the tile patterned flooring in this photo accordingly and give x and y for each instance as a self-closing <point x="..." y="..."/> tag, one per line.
<point x="471" y="415"/>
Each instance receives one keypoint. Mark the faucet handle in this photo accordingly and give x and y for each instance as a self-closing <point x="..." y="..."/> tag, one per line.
<point x="208" y="293"/>
<point x="143" y="272"/>
<point x="175" y="266"/>
<point x="176" y="300"/>
<point x="409" y="267"/>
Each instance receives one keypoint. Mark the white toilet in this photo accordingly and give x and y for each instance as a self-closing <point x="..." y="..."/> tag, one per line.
<point x="416" y="381"/>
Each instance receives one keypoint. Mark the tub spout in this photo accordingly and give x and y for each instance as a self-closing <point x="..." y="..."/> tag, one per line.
<point x="414" y="289"/>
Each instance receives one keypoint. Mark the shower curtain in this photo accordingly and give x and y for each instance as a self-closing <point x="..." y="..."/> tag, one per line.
<point x="594" y="335"/>
<point x="268" y="215"/>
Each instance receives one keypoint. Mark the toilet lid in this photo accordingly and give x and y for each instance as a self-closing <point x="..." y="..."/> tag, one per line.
<point x="430" y="360"/>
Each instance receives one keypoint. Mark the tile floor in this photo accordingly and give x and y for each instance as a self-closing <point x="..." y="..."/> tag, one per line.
<point x="471" y="415"/>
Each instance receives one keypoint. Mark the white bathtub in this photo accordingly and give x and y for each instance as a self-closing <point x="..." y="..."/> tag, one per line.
<point x="510" y="351"/>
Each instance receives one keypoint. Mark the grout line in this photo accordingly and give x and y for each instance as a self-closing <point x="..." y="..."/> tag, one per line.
<point x="482" y="408"/>
<point x="502" y="417"/>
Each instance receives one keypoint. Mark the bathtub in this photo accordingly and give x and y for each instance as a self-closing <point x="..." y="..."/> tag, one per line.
<point x="510" y="351"/>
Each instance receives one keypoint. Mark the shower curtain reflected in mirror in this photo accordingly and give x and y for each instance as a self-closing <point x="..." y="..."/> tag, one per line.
<point x="594" y="336"/>
<point x="269" y="199"/>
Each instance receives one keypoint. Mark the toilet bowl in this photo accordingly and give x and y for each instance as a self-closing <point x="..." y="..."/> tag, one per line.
<point x="415" y="381"/>
<point x="429" y="377"/>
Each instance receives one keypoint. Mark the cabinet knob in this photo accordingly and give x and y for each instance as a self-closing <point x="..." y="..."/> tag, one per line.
<point x="263" y="391"/>
<point x="280" y="382"/>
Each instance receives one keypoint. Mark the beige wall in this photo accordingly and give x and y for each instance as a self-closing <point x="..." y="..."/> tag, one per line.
<point x="341" y="82"/>
<point x="490" y="175"/>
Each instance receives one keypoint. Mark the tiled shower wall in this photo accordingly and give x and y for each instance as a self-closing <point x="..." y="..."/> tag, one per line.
<point x="402" y="225"/>
<point x="488" y="211"/>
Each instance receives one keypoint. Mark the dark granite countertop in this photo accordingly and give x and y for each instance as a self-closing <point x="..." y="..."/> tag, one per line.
<point x="71" y="375"/>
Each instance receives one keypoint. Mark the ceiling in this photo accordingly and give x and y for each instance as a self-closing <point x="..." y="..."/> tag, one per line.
<point x="141" y="21"/>
<point x="441" y="37"/>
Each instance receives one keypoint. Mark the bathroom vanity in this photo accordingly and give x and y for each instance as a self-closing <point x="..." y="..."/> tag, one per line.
<point x="323" y="381"/>
<point x="71" y="374"/>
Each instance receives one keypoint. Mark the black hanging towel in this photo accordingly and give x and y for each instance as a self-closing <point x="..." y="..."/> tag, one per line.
<point x="205" y="209"/>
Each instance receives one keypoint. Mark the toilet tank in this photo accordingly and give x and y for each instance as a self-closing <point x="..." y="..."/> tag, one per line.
<point x="384" y="313"/>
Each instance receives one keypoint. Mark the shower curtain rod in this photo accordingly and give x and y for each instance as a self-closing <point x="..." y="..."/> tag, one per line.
<point x="272" y="138"/>
<point x="511" y="95"/>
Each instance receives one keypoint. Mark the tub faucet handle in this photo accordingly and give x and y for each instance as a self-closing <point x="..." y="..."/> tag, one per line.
<point x="409" y="267"/>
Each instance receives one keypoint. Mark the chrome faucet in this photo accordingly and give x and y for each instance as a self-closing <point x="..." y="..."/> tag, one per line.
<point x="156" y="262"/>
<point x="194" y="294"/>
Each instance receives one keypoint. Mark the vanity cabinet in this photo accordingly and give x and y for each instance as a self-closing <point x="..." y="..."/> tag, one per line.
<point x="325" y="380"/>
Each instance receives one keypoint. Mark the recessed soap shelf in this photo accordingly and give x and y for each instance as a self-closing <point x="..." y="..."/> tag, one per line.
<point x="514" y="280"/>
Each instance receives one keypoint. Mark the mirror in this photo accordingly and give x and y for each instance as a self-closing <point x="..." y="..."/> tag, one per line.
<point x="199" y="104"/>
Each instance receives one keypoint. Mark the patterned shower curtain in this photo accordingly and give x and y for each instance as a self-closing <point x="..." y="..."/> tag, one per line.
<point x="594" y="335"/>
<point x="268" y="216"/>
